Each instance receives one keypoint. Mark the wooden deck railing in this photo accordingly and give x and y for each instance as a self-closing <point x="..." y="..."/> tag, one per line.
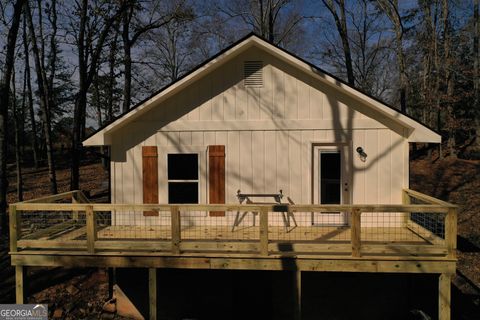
<point x="91" y="221"/>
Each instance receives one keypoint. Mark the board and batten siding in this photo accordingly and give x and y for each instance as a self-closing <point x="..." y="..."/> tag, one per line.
<point x="268" y="134"/>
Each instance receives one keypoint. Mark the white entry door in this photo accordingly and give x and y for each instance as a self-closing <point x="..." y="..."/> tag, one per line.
<point x="330" y="182"/>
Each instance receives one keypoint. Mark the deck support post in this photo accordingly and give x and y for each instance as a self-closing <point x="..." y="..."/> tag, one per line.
<point x="297" y="298"/>
<point x="444" y="296"/>
<point x="19" y="285"/>
<point x="152" y="293"/>
<point x="112" y="280"/>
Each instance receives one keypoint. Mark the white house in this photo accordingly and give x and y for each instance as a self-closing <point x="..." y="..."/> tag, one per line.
<point x="256" y="118"/>
<point x="249" y="122"/>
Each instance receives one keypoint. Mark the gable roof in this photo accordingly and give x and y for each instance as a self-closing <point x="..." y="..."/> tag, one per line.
<point x="417" y="132"/>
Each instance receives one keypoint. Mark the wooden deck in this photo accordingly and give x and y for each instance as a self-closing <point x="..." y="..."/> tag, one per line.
<point x="87" y="227"/>
<point x="44" y="232"/>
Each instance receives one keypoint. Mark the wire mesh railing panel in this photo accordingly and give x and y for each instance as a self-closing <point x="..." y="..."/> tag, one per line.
<point x="427" y="224"/>
<point x="133" y="225"/>
<point x="52" y="225"/>
<point x="309" y="227"/>
<point x="387" y="227"/>
<point x="220" y="225"/>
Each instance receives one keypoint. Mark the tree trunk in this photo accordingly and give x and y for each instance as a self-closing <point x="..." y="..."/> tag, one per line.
<point x="78" y="118"/>
<point x="53" y="51"/>
<point x="86" y="73"/>
<point x="262" y="18"/>
<point x="391" y="9"/>
<point x="271" y="23"/>
<point x="16" y="128"/>
<point x="436" y="90"/>
<point x="111" y="76"/>
<point x="45" y="101"/>
<point x="341" y="24"/>
<point x="80" y="101"/>
<point x="449" y="85"/>
<point x="476" y="67"/>
<point x="127" y="60"/>
<point x="29" y="94"/>
<point x="96" y="94"/>
<point x="403" y="74"/>
<point x="4" y="101"/>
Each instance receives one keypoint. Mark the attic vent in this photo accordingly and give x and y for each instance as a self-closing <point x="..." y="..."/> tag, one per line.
<point x="253" y="73"/>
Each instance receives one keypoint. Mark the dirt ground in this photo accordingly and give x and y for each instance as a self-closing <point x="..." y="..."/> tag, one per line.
<point x="80" y="294"/>
<point x="456" y="181"/>
<point x="36" y="183"/>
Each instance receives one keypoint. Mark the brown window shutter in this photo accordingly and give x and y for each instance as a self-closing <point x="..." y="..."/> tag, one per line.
<point x="150" y="177"/>
<point x="216" y="178"/>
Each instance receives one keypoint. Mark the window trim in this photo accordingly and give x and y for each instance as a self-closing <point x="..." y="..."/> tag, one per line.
<point x="163" y="152"/>
<point x="184" y="180"/>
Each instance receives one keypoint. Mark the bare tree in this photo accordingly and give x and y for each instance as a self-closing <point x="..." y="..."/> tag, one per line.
<point x="45" y="93"/>
<point x="428" y="42"/>
<point x="276" y="20"/>
<point x="17" y="137"/>
<point x="370" y="49"/>
<point x="170" y="54"/>
<point x="90" y="39"/>
<point x="391" y="9"/>
<point x="338" y="12"/>
<point x="4" y="102"/>
<point x="112" y="62"/>
<point x="476" y="67"/>
<point x="135" y="25"/>
<point x="448" y="77"/>
<point x="29" y="94"/>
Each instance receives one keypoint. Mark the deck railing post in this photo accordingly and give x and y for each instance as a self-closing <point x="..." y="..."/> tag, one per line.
<point x="15" y="227"/>
<point x="451" y="232"/>
<point x="264" y="231"/>
<point x="91" y="229"/>
<point x="355" y="232"/>
<point x="406" y="201"/>
<point x="176" y="229"/>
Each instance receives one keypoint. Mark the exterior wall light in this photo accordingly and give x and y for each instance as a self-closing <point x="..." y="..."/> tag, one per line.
<point x="362" y="154"/>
